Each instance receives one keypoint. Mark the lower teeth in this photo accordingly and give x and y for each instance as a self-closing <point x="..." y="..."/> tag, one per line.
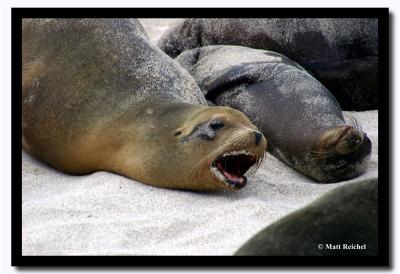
<point x="226" y="177"/>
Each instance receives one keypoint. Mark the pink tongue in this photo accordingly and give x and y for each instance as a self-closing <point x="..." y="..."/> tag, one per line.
<point x="230" y="177"/>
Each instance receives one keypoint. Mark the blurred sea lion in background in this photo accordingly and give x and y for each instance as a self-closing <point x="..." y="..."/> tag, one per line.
<point x="342" y="222"/>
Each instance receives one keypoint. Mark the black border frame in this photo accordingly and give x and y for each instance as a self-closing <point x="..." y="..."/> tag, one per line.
<point x="383" y="259"/>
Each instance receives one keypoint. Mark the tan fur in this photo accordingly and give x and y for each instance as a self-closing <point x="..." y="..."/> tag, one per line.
<point x="185" y="166"/>
<point x="96" y="95"/>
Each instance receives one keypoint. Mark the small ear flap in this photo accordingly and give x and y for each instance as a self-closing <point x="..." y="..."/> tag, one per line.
<point x="235" y="75"/>
<point x="179" y="131"/>
<point x="183" y="130"/>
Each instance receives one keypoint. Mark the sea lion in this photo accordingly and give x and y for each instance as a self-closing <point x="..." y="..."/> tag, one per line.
<point x="342" y="53"/>
<point x="96" y="95"/>
<point x="342" y="222"/>
<point x="300" y="118"/>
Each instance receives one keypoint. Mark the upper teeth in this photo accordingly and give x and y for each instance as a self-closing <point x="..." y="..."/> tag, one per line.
<point x="240" y="152"/>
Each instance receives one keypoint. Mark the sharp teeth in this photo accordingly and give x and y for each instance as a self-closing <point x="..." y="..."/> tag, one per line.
<point x="241" y="152"/>
<point x="214" y="169"/>
<point x="221" y="176"/>
<point x="218" y="173"/>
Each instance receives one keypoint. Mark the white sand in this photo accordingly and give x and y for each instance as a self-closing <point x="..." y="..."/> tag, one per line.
<point x="155" y="27"/>
<point x="104" y="213"/>
<point x="107" y="214"/>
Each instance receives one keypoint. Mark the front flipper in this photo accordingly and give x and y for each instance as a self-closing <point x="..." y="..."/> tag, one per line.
<point x="245" y="73"/>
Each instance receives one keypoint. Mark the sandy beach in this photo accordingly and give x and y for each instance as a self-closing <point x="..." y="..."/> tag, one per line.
<point x="107" y="214"/>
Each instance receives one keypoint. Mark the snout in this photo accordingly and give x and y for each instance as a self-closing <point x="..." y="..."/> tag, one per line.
<point x="259" y="142"/>
<point x="258" y="136"/>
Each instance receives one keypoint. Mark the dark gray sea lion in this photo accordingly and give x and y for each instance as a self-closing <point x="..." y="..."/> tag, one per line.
<point x="342" y="53"/>
<point x="300" y="118"/>
<point x="96" y="95"/>
<point x="343" y="222"/>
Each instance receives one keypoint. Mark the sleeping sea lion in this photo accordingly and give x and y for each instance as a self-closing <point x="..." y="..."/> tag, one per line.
<point x="342" y="53"/>
<point x="301" y="119"/>
<point x="96" y="95"/>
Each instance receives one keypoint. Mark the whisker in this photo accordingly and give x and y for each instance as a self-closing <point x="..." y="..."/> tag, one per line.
<point x="254" y="168"/>
<point x="355" y="123"/>
<point x="189" y="174"/>
<point x="322" y="154"/>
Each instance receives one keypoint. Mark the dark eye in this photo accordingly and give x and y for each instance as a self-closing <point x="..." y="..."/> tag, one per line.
<point x="354" y="141"/>
<point x="215" y="125"/>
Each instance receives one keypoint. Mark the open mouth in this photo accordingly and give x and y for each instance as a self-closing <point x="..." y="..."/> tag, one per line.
<point x="232" y="166"/>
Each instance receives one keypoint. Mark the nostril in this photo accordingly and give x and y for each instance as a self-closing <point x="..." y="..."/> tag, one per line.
<point x="367" y="144"/>
<point x="258" y="136"/>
